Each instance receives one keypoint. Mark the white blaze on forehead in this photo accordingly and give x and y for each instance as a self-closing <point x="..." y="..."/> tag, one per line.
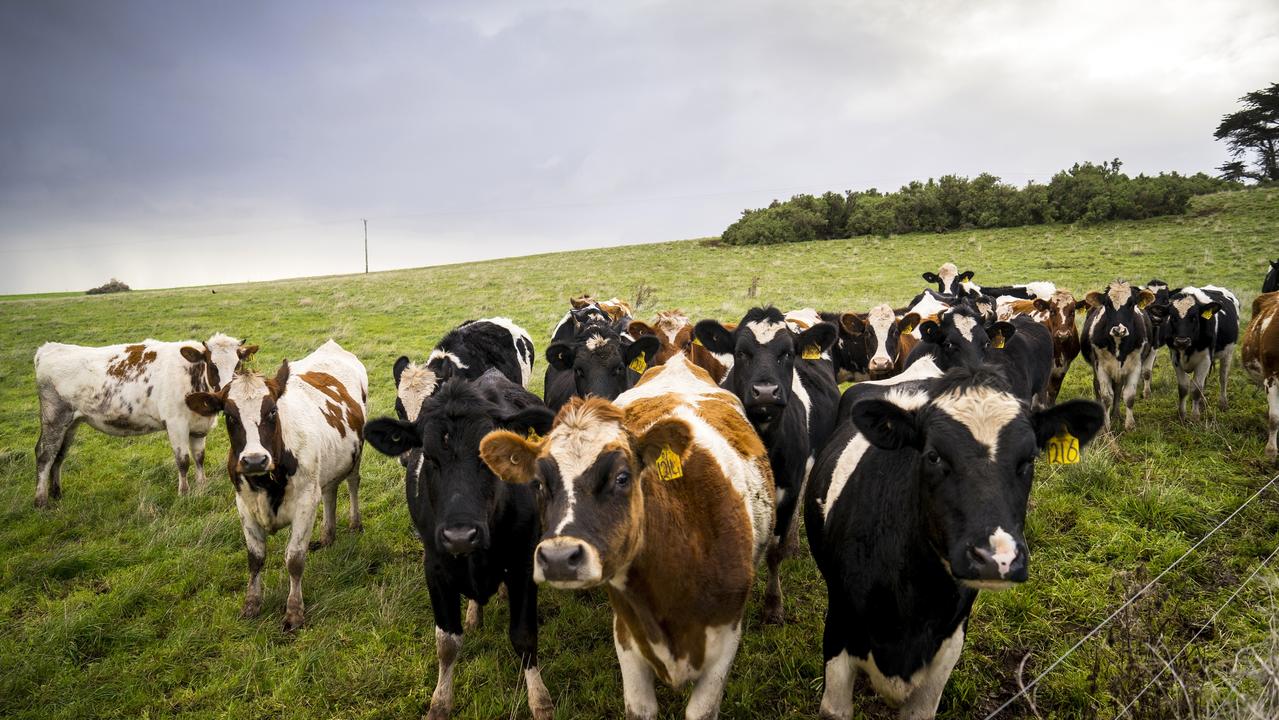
<point x="595" y="342"/>
<point x="947" y="272"/>
<point x="224" y="351"/>
<point x="417" y="383"/>
<point x="1119" y="292"/>
<point x="964" y="325"/>
<point x="248" y="392"/>
<point x="575" y="444"/>
<point x="881" y="319"/>
<point x="765" y="330"/>
<point x="1184" y="305"/>
<point x="1004" y="550"/>
<point x="983" y="411"/>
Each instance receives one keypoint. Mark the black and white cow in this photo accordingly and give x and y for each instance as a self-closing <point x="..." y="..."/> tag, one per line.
<point x="949" y="280"/>
<point x="126" y="390"/>
<point x="870" y="345"/>
<point x="1029" y="291"/>
<point x="790" y="402"/>
<point x="1271" y="283"/>
<point x="1116" y="342"/>
<point x="918" y="502"/>
<point x="294" y="438"/>
<point x="475" y="346"/>
<point x="1201" y="328"/>
<point x="599" y="360"/>
<point x="477" y="532"/>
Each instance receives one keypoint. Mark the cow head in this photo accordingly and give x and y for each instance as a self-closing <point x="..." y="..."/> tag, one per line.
<point x="948" y="279"/>
<point x="463" y="495"/>
<point x="1062" y="314"/>
<point x="250" y="405"/>
<point x="222" y="356"/>
<point x="873" y="339"/>
<point x="974" y="447"/>
<point x="413" y="385"/>
<point x="604" y="364"/>
<point x="672" y="329"/>
<point x="764" y="349"/>
<point x="587" y="476"/>
<point x="1186" y="317"/>
<point x="1271" y="283"/>
<point x="959" y="339"/>
<point x="1117" y="312"/>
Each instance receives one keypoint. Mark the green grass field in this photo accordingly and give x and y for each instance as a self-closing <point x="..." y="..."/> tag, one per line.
<point x="123" y="599"/>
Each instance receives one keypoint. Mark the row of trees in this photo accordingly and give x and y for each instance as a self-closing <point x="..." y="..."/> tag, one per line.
<point x="1086" y="193"/>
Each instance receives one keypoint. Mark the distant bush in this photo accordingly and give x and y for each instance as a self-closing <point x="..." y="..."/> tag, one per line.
<point x="1086" y="193"/>
<point x="114" y="286"/>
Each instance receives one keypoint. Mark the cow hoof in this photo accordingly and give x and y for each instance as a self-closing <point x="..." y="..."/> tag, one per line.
<point x="42" y="501"/>
<point x="292" y="621"/>
<point x="251" y="610"/>
<point x="1272" y="452"/>
<point x="321" y="543"/>
<point x="772" y="616"/>
<point x="184" y="489"/>
<point x="437" y="713"/>
<point x="357" y="527"/>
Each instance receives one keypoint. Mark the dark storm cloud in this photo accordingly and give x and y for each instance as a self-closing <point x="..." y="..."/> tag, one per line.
<point x="179" y="143"/>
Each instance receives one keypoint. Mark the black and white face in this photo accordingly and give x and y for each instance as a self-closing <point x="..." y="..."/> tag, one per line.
<point x="948" y="279"/>
<point x="1118" y="309"/>
<point x="958" y="338"/>
<point x="1189" y="316"/>
<point x="603" y="362"/>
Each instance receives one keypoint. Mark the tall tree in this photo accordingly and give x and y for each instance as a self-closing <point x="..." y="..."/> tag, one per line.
<point x="1252" y="134"/>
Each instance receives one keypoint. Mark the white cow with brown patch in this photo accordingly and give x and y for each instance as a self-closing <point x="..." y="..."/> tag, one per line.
<point x="294" y="438"/>
<point x="124" y="390"/>
<point x="1261" y="360"/>
<point x="666" y="500"/>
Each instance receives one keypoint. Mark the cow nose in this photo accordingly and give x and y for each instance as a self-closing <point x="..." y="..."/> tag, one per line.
<point x="764" y="393"/>
<point x="254" y="463"/>
<point x="561" y="561"/>
<point x="1119" y="331"/>
<point x="880" y="364"/>
<point x="1181" y="342"/>
<point x="986" y="565"/>
<point x="460" y="539"/>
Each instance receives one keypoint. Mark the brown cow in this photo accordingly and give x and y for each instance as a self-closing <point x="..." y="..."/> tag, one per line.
<point x="1261" y="360"/>
<point x="674" y="331"/>
<point x="666" y="500"/>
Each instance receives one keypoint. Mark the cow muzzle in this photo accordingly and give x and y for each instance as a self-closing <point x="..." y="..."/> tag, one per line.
<point x="996" y="566"/>
<point x="254" y="464"/>
<point x="567" y="562"/>
<point x="1181" y="343"/>
<point x="1119" y="331"/>
<point x="461" y="539"/>
<point x="880" y="365"/>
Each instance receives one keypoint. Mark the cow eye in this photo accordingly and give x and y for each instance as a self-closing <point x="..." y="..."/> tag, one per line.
<point x="623" y="479"/>
<point x="783" y="357"/>
<point x="949" y="347"/>
<point x="617" y="370"/>
<point x="270" y="416"/>
<point x="231" y="420"/>
<point x="986" y="346"/>
<point x="932" y="457"/>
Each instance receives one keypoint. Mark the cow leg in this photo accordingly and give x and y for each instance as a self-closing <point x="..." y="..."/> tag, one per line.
<point x="295" y="556"/>
<point x="772" y="611"/>
<point x="448" y="644"/>
<point x="922" y="703"/>
<point x="1148" y="371"/>
<point x="1104" y="390"/>
<point x="196" y="443"/>
<point x="330" y="495"/>
<point x="523" y="634"/>
<point x="1272" y="400"/>
<point x="841" y="676"/>
<point x="255" y="545"/>
<point x="721" y="649"/>
<point x="1183" y="389"/>
<point x="180" y="441"/>
<point x="637" y="679"/>
<point x="1202" y="371"/>
<point x="353" y="487"/>
<point x="57" y="428"/>
<point x="1130" y="398"/>
<point x="474" y="615"/>
<point x="1226" y="357"/>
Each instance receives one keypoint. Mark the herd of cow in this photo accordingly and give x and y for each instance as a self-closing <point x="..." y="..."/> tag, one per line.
<point x="666" y="460"/>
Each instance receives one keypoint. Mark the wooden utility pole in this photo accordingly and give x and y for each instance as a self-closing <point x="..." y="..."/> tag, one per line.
<point x="366" y="247"/>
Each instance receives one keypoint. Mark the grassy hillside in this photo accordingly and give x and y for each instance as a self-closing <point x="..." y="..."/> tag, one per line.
<point x="123" y="600"/>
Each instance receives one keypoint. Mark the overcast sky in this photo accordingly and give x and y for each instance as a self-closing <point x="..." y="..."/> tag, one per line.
<point x="177" y="143"/>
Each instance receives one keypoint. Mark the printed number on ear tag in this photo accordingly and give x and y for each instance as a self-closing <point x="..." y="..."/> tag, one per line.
<point x="533" y="436"/>
<point x="1063" y="449"/>
<point x="1206" y="314"/>
<point x="997" y="341"/>
<point x="668" y="465"/>
<point x="638" y="364"/>
<point x="812" y="352"/>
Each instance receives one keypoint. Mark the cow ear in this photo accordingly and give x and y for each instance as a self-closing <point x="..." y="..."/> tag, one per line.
<point x="1000" y="332"/>
<point x="1081" y="305"/>
<point x="535" y="418"/>
<point x="246" y="351"/>
<point x="1042" y="305"/>
<point x="398" y="368"/>
<point x="668" y="433"/>
<point x="1144" y="298"/>
<point x="646" y="346"/>
<point x="1082" y="418"/>
<point x="511" y="457"/>
<point x="1212" y="308"/>
<point x="191" y="354"/>
<point x="966" y="275"/>
<point x="560" y="355"/>
<point x="822" y="335"/>
<point x="887" y="426"/>
<point x="852" y="323"/>
<point x="392" y="437"/>
<point x="1093" y="299"/>
<point x="931" y="277"/>
<point x="278" y="384"/>
<point x="931" y="332"/>
<point x="714" y="336"/>
<point x="908" y="322"/>
<point x="1157" y="311"/>
<point x="205" y="403"/>
<point x="639" y="328"/>
<point x="580" y="302"/>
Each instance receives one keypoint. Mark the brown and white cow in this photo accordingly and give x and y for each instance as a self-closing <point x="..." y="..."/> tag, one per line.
<point x="294" y="438"/>
<point x="674" y="331"/>
<point x="1261" y="360"/>
<point x="874" y="345"/>
<point x="126" y="390"/>
<point x="666" y="500"/>
<point x="1057" y="313"/>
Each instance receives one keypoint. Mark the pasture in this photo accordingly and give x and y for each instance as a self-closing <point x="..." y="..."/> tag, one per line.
<point x="123" y="599"/>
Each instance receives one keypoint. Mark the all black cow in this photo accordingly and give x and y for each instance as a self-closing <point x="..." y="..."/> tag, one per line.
<point x="1201" y="328"/>
<point x="918" y="502"/>
<point x="477" y="531"/>
<point x="790" y="402"/>
<point x="599" y="360"/>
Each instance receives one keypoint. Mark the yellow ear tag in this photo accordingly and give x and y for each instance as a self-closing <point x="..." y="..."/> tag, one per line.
<point x="908" y="329"/>
<point x="812" y="352"/>
<point x="1142" y="304"/>
<point x="668" y="465"/>
<point x="638" y="364"/>
<point x="533" y="436"/>
<point x="997" y="341"/>
<point x="1063" y="448"/>
<point x="1206" y="314"/>
<point x="697" y="341"/>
